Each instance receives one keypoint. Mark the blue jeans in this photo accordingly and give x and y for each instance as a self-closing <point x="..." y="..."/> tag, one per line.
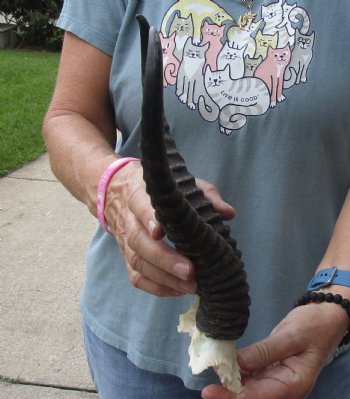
<point x="116" y="377"/>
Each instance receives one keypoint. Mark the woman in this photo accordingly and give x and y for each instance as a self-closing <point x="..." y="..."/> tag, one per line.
<point x="256" y="121"/>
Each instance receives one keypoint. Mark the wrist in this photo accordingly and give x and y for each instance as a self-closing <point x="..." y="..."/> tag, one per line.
<point x="343" y="317"/>
<point x="103" y="184"/>
<point x="329" y="287"/>
<point x="92" y="179"/>
<point x="335" y="312"/>
<point x="337" y="289"/>
<point x="332" y="276"/>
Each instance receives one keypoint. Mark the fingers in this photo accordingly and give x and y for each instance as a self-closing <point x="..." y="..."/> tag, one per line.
<point x="216" y="392"/>
<point x="141" y="282"/>
<point x="292" y="378"/>
<point x="157" y="262"/>
<point x="153" y="266"/>
<point x="281" y="381"/>
<point x="292" y="337"/>
<point x="212" y="194"/>
<point x="139" y="204"/>
<point x="157" y="253"/>
<point x="127" y="194"/>
<point x="281" y="344"/>
<point x="286" y="364"/>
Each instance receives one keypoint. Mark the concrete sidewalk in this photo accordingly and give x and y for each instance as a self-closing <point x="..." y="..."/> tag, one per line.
<point x="44" y="234"/>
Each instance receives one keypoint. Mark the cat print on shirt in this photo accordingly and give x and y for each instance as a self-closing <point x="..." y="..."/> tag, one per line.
<point x="272" y="15"/>
<point x="229" y="74"/>
<point x="184" y="29"/>
<point x="212" y="34"/>
<point x="235" y="99"/>
<point x="199" y="11"/>
<point x="241" y="37"/>
<point x="272" y="70"/>
<point x="278" y="18"/>
<point x="291" y="15"/>
<point x="251" y="64"/>
<point x="170" y="62"/>
<point x="264" y="42"/>
<point x="190" y="84"/>
<point x="234" y="58"/>
<point x="301" y="58"/>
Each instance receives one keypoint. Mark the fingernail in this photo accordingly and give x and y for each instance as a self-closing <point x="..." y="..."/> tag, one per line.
<point x="188" y="287"/>
<point x="181" y="270"/>
<point x="226" y="205"/>
<point x="151" y="227"/>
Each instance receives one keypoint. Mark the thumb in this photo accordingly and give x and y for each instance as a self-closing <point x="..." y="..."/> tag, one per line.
<point x="265" y="353"/>
<point x="217" y="391"/>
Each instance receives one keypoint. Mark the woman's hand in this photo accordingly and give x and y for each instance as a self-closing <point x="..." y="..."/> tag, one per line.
<point x="152" y="265"/>
<point x="286" y="364"/>
<point x="212" y="194"/>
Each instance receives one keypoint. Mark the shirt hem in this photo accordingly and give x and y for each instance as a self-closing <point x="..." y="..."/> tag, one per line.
<point x="143" y="361"/>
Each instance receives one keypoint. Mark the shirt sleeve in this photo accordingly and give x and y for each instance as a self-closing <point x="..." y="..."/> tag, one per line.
<point x="95" y="21"/>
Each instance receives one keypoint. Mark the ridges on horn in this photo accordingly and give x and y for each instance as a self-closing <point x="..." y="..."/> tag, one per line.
<point x="186" y="216"/>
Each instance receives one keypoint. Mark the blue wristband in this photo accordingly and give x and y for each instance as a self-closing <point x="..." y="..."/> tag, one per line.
<point x="329" y="276"/>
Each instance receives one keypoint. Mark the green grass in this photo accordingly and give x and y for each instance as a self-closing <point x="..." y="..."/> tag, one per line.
<point x="27" y="80"/>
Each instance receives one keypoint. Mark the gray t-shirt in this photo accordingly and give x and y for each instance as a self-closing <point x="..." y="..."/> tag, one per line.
<point x="262" y="114"/>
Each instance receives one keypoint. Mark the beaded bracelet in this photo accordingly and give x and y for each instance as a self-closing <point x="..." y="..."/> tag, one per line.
<point x="320" y="297"/>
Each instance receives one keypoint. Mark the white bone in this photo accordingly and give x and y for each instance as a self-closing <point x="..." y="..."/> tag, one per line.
<point x="207" y="352"/>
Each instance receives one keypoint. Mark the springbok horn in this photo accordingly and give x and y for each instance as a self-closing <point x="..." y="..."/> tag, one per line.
<point x="186" y="216"/>
<point x="144" y="35"/>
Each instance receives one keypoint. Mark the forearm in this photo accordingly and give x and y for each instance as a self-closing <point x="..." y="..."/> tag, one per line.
<point x="338" y="251"/>
<point x="338" y="255"/>
<point x="79" y="128"/>
<point x="79" y="153"/>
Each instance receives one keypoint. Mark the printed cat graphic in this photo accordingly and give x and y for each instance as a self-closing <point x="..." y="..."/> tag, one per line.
<point x="279" y="17"/>
<point x="291" y="16"/>
<point x="263" y="42"/>
<point x="230" y="74"/>
<point x="234" y="57"/>
<point x="251" y="64"/>
<point x="234" y="99"/>
<point x="199" y="10"/>
<point x="272" y="70"/>
<point x="212" y="34"/>
<point x="170" y="62"/>
<point x="241" y="37"/>
<point x="301" y="57"/>
<point x="184" y="29"/>
<point x="272" y="15"/>
<point x="190" y="83"/>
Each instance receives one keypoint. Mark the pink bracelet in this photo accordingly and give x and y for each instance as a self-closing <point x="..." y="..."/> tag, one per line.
<point x="102" y="188"/>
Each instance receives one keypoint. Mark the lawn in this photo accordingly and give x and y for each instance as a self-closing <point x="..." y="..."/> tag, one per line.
<point x="27" y="79"/>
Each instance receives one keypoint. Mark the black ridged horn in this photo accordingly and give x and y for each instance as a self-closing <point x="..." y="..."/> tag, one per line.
<point x="188" y="219"/>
